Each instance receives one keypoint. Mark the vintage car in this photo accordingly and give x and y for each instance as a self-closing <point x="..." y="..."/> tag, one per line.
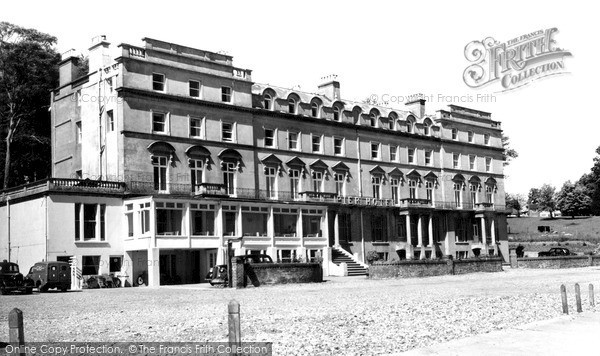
<point x="218" y="274"/>
<point x="11" y="280"/>
<point x="556" y="251"/>
<point x="47" y="275"/>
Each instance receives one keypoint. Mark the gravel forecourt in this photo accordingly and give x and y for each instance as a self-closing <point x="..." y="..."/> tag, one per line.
<point x="342" y="316"/>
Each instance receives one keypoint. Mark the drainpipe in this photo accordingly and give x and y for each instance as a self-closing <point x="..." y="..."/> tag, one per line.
<point x="8" y="224"/>
<point x="46" y="227"/>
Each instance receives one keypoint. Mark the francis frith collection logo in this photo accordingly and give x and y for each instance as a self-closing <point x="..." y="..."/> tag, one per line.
<point x="514" y="63"/>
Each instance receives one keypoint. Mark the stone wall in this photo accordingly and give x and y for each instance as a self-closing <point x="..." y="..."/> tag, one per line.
<point x="558" y="262"/>
<point x="283" y="273"/>
<point x="427" y="268"/>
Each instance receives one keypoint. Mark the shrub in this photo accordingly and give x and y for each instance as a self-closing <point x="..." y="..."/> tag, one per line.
<point x="372" y="256"/>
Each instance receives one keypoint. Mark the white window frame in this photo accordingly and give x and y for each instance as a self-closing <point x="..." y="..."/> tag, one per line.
<point x="454" y="134"/>
<point x="164" y="82"/>
<point x="394" y="153"/>
<point x="157" y="163"/>
<point x="312" y="141"/>
<point x="337" y="112"/>
<point x="342" y="146"/>
<point x="273" y="138"/>
<point x="295" y="183"/>
<point x="110" y="120"/>
<point x="488" y="164"/>
<point x="268" y="102"/>
<point x="376" y="181"/>
<point x="315" y="110"/>
<point x="373" y="120"/>
<point x="229" y="173"/>
<point x="233" y="131"/>
<point x="196" y="169"/>
<point x="486" y="139"/>
<point x="201" y="127"/>
<point x="292" y="104"/>
<point x="429" y="157"/>
<point x="190" y="88"/>
<point x="78" y="132"/>
<point x="298" y="141"/>
<point x="271" y="182"/>
<point x="340" y="183"/>
<point x="317" y="181"/>
<point x="429" y="190"/>
<point x="412" y="160"/>
<point x="224" y="94"/>
<point x="472" y="162"/>
<point x="395" y="189"/>
<point x="165" y="115"/>
<point x="456" y="162"/>
<point x="377" y="152"/>
<point x="470" y="136"/>
<point x="413" y="192"/>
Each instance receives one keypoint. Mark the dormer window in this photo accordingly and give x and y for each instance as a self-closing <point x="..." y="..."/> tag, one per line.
<point x="291" y="106"/>
<point x="426" y="130"/>
<point x="226" y="94"/>
<point x="337" y="114"/>
<point x="314" y="110"/>
<point x="373" y="120"/>
<point x="455" y="134"/>
<point x="268" y="102"/>
<point x="470" y="136"/>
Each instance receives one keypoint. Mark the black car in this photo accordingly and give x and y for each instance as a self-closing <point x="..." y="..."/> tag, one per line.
<point x="556" y="251"/>
<point x="218" y="274"/>
<point x="11" y="280"/>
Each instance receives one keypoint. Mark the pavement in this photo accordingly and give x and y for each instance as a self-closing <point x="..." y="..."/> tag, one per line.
<point x="574" y="334"/>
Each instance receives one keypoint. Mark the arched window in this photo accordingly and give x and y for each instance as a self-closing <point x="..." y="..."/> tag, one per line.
<point x="373" y="119"/>
<point x="268" y="102"/>
<point x="291" y="106"/>
<point x="426" y="129"/>
<point x="409" y="126"/>
<point x="337" y="114"/>
<point x="315" y="110"/>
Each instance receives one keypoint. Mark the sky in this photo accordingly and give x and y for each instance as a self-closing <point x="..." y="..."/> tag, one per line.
<point x="376" y="48"/>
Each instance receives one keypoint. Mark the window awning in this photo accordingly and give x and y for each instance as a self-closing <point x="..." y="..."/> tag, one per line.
<point x="197" y="152"/>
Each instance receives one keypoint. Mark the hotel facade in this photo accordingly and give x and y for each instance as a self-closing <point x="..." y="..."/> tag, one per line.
<point x="163" y="153"/>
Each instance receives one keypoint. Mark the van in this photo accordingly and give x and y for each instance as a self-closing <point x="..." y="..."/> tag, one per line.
<point x="47" y="275"/>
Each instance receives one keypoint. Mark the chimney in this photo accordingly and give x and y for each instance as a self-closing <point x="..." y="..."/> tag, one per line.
<point x="417" y="106"/>
<point x="330" y="87"/>
<point x="67" y="68"/>
<point x="99" y="56"/>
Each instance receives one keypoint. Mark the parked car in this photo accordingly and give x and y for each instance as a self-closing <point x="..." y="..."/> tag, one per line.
<point x="218" y="274"/>
<point x="47" y="275"/>
<point x="12" y="280"/>
<point x="556" y="251"/>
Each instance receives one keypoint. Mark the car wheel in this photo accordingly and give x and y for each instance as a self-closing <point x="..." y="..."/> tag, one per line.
<point x="28" y="290"/>
<point x="140" y="281"/>
<point x="63" y="289"/>
<point x="43" y="289"/>
<point x="117" y="283"/>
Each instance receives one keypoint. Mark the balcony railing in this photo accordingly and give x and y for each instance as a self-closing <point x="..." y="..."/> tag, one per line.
<point x="415" y="203"/>
<point x="164" y="188"/>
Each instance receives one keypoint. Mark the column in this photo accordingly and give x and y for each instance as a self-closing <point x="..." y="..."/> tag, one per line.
<point x="409" y="249"/>
<point x="430" y="233"/>
<point x="484" y="250"/>
<point x="493" y="232"/>
<point x="336" y="229"/>
<point x="420" y="237"/>
<point x="153" y="267"/>
<point x="430" y="230"/>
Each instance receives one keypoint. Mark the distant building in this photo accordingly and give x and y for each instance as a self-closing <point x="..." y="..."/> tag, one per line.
<point x="162" y="153"/>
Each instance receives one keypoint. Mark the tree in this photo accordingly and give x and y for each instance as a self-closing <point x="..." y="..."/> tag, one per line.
<point x="513" y="203"/>
<point x="543" y="199"/>
<point x="590" y="182"/>
<point x="572" y="200"/>
<point x="509" y="153"/>
<point x="28" y="71"/>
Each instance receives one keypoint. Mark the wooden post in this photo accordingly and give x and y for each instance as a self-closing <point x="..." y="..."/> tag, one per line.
<point x="563" y="294"/>
<point x="592" y="300"/>
<point x="578" y="297"/>
<point x="235" y="330"/>
<point x="15" y="329"/>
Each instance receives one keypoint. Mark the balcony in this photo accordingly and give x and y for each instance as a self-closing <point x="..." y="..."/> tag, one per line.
<point x="413" y="203"/>
<point x="484" y="207"/>
<point x="320" y="197"/>
<point x="65" y="185"/>
<point x="164" y="188"/>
